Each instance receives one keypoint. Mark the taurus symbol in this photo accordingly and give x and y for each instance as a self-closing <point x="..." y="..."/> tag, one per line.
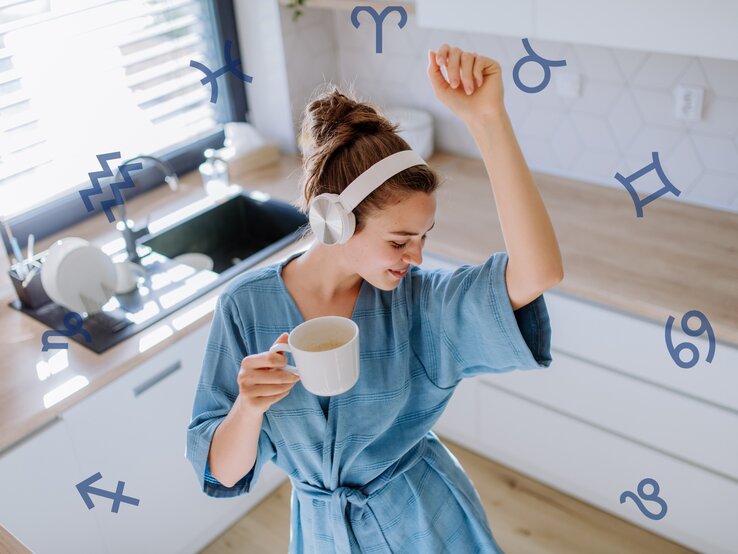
<point x="378" y="20"/>
<point x="544" y="63"/>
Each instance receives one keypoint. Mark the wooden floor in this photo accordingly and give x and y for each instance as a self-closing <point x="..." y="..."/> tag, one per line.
<point x="525" y="516"/>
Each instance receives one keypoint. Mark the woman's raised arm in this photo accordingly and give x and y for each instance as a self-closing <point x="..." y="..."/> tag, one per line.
<point x="474" y="93"/>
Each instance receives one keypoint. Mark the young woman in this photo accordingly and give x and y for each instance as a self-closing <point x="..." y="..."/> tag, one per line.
<point x="368" y="474"/>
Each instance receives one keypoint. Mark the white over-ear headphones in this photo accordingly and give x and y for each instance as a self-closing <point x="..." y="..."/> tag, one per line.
<point x="331" y="215"/>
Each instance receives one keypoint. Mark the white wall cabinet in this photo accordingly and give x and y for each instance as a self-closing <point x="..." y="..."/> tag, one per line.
<point x="39" y="502"/>
<point x="685" y="27"/>
<point x="612" y="409"/>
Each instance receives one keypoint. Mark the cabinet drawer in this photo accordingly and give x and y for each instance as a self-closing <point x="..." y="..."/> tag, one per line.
<point x="637" y="347"/>
<point x="597" y="467"/>
<point x="684" y="427"/>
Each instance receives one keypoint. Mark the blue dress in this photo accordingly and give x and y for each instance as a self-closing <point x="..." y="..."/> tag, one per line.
<point x="368" y="474"/>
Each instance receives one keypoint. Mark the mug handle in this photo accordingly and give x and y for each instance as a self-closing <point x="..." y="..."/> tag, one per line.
<point x="284" y="347"/>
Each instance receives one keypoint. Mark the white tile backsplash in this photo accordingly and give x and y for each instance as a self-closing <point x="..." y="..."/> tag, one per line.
<point x="625" y="110"/>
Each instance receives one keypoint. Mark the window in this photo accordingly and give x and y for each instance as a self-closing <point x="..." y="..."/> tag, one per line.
<point x="84" y="77"/>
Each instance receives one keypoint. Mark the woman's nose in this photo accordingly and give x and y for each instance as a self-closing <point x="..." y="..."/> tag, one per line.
<point x="414" y="256"/>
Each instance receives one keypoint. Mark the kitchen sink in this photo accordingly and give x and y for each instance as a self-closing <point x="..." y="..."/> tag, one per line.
<point x="238" y="232"/>
<point x="233" y="233"/>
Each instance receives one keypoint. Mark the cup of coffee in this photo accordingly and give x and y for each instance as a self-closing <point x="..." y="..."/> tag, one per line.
<point x="326" y="354"/>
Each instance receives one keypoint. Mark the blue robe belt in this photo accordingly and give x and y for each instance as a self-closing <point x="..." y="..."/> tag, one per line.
<point x="339" y="498"/>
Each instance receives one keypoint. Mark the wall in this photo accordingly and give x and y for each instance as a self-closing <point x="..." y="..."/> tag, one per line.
<point x="623" y="114"/>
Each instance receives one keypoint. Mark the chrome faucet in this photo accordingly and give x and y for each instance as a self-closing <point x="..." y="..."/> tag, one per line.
<point x="125" y="225"/>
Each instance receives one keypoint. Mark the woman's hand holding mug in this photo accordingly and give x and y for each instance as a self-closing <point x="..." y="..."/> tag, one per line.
<point x="474" y="86"/>
<point x="262" y="382"/>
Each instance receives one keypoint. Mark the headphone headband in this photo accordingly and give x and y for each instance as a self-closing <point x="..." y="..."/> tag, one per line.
<point x="372" y="178"/>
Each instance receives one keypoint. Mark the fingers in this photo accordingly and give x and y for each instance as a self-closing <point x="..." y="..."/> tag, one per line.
<point x="434" y="72"/>
<point x="453" y="67"/>
<point x="467" y="65"/>
<point x="478" y="70"/>
<point x="465" y="69"/>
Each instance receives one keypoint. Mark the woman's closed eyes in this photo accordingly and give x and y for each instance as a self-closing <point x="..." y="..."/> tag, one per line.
<point x="398" y="245"/>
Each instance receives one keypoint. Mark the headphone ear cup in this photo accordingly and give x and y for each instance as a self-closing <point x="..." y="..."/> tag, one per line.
<point x="327" y="218"/>
<point x="349" y="227"/>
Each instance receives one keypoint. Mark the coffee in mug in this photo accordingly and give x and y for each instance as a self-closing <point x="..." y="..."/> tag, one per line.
<point x="326" y="354"/>
<point x="323" y="346"/>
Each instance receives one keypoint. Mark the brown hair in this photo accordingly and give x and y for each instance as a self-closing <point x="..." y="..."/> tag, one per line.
<point x="341" y="138"/>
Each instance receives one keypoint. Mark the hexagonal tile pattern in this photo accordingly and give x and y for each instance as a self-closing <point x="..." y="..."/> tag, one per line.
<point x="629" y="61"/>
<point x="660" y="70"/>
<point x="656" y="107"/>
<point x="625" y="119"/>
<point x="594" y="132"/>
<point x="715" y="190"/>
<point x="624" y="112"/>
<point x="682" y="165"/>
<point x="722" y="76"/>
<point x="716" y="153"/>
<point x="598" y="63"/>
<point x="566" y="143"/>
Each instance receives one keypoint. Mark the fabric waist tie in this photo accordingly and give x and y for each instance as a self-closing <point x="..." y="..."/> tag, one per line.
<point x="339" y="498"/>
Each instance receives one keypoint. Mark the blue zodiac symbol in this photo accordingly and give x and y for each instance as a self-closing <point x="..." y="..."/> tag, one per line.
<point x="653" y="496"/>
<point x="704" y="326"/>
<point x="73" y="323"/>
<point x="211" y="76"/>
<point x="533" y="57"/>
<point x="96" y="189"/>
<point x="654" y="165"/>
<point x="378" y="20"/>
<point x="86" y="490"/>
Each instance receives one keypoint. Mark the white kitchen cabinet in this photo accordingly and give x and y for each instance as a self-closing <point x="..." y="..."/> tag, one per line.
<point x="39" y="502"/>
<point x="685" y="27"/>
<point x="611" y="410"/>
<point x="134" y="430"/>
<point x="597" y="466"/>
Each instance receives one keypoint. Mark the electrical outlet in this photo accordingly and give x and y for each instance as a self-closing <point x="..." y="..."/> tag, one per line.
<point x="688" y="102"/>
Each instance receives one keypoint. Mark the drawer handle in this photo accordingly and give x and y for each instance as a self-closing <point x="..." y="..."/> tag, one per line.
<point x="163" y="374"/>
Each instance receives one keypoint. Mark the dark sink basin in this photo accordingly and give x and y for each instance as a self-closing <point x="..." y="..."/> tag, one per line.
<point x="237" y="234"/>
<point x="232" y="232"/>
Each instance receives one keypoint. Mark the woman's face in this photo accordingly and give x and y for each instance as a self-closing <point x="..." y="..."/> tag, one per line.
<point x="381" y="247"/>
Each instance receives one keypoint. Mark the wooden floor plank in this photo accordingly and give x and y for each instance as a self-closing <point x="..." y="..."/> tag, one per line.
<point x="525" y="515"/>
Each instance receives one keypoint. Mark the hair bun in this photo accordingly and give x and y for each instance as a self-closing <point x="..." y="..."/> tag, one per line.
<point x="334" y="119"/>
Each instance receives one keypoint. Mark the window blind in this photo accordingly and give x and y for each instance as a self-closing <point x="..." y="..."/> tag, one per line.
<point x="84" y="77"/>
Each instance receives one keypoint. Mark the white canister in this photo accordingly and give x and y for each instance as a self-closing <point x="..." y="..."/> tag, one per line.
<point x="416" y="127"/>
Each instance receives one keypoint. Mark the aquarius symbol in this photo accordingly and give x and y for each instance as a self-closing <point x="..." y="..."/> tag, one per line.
<point x="704" y="326"/>
<point x="229" y="67"/>
<point x="378" y="20"/>
<point x="654" y="165"/>
<point x="85" y="490"/>
<point x="73" y="323"/>
<point x="544" y="63"/>
<point x="96" y="189"/>
<point x="654" y="497"/>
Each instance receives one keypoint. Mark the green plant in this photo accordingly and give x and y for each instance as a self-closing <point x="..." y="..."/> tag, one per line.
<point x="296" y="5"/>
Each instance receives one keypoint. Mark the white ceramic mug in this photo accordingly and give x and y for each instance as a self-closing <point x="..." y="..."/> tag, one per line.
<point x="326" y="354"/>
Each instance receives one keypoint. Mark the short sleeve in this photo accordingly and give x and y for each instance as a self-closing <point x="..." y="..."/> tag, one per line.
<point x="464" y="324"/>
<point x="217" y="390"/>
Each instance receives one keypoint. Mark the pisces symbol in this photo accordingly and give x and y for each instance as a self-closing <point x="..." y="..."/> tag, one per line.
<point x="653" y="496"/>
<point x="378" y="20"/>
<point x="229" y="67"/>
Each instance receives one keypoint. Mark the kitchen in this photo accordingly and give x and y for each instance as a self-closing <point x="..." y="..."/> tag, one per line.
<point x="626" y="410"/>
